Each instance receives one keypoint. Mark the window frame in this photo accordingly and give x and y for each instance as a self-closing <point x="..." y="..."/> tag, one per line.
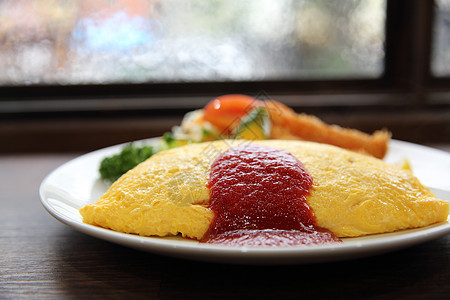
<point x="408" y="38"/>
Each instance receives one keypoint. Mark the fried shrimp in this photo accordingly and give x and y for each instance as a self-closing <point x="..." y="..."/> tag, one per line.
<point x="286" y="124"/>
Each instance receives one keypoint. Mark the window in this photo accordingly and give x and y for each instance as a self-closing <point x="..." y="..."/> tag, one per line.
<point x="137" y="41"/>
<point x="441" y="41"/>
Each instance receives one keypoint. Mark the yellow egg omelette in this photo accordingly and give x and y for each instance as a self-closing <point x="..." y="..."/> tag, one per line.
<point x="352" y="194"/>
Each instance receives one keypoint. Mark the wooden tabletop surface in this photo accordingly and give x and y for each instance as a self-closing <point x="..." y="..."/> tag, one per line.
<point x="42" y="258"/>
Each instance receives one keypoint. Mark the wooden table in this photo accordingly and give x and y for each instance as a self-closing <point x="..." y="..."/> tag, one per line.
<point x="42" y="258"/>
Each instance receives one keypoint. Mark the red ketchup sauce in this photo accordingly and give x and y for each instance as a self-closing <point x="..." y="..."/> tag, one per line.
<point x="258" y="196"/>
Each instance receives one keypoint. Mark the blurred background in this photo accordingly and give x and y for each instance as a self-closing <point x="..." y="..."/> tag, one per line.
<point x="81" y="75"/>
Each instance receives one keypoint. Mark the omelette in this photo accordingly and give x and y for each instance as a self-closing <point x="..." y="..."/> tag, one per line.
<point x="351" y="194"/>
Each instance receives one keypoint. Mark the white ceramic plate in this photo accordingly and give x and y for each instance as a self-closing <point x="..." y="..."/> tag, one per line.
<point x="77" y="183"/>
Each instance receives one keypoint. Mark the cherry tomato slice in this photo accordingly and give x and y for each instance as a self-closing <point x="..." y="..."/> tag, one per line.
<point x="225" y="111"/>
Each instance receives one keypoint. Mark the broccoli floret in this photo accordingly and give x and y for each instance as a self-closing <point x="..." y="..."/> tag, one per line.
<point x="111" y="168"/>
